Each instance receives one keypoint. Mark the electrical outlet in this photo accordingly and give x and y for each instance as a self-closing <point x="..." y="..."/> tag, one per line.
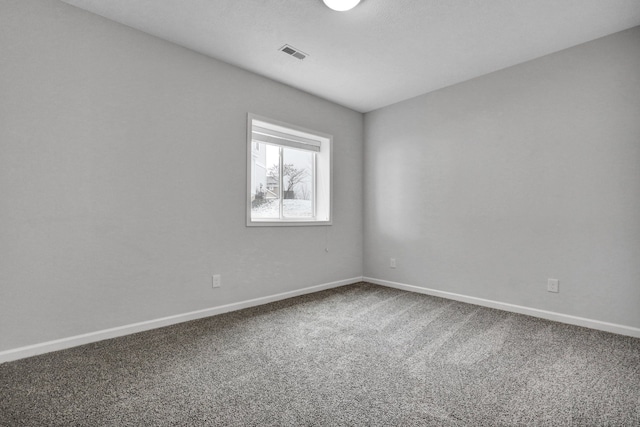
<point x="392" y="263"/>
<point x="553" y="285"/>
<point x="216" y="281"/>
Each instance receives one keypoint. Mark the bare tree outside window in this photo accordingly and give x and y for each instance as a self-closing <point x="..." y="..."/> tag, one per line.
<point x="292" y="176"/>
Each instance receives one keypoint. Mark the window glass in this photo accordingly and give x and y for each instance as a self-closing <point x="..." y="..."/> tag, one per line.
<point x="266" y="185"/>
<point x="297" y="178"/>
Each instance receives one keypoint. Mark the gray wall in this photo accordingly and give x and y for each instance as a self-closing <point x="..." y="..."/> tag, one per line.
<point x="123" y="179"/>
<point x="490" y="187"/>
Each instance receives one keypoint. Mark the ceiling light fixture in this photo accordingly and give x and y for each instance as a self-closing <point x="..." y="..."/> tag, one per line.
<point x="341" y="5"/>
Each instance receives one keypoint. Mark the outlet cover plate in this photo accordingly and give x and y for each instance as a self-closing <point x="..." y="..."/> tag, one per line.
<point x="216" y="281"/>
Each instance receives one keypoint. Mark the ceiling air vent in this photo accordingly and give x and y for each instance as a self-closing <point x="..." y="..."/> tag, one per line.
<point x="290" y="50"/>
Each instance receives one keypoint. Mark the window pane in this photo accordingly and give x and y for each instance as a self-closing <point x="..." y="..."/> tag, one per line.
<point x="297" y="188"/>
<point x="265" y="192"/>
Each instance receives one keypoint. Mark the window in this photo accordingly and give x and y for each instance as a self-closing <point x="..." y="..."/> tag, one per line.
<point x="288" y="174"/>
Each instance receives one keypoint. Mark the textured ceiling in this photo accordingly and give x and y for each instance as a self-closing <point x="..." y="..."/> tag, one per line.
<point x="381" y="52"/>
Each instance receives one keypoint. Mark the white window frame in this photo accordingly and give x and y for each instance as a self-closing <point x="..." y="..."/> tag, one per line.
<point x="322" y="176"/>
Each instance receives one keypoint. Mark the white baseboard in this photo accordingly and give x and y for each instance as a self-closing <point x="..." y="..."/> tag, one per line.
<point x="544" y="314"/>
<point x="74" y="341"/>
<point x="64" y="343"/>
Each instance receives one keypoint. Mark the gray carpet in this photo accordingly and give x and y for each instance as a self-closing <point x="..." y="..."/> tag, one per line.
<point x="357" y="355"/>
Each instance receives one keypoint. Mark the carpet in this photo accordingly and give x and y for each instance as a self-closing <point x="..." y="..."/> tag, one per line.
<point x="356" y="355"/>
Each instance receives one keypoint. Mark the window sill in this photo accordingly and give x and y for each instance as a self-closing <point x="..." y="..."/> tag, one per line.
<point x="285" y="223"/>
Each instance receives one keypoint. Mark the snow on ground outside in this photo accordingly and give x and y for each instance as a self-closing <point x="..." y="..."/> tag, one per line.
<point x="293" y="208"/>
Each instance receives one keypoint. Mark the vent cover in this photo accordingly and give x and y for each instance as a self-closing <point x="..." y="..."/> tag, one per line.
<point x="290" y="50"/>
